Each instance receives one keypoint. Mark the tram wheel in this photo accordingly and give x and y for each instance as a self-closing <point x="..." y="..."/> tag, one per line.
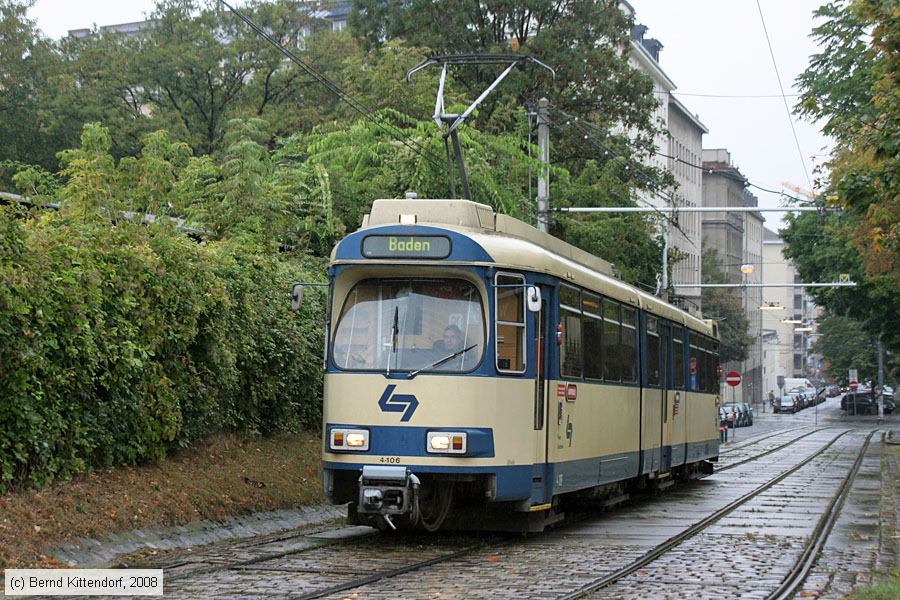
<point x="433" y="504"/>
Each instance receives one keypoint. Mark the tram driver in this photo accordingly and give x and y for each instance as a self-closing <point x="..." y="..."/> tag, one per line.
<point x="451" y="341"/>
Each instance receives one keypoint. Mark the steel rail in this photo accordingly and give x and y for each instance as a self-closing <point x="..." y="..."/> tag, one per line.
<point x="751" y="441"/>
<point x="770" y="451"/>
<point x="263" y="557"/>
<point x="798" y="574"/>
<point x="343" y="587"/>
<point x="691" y="531"/>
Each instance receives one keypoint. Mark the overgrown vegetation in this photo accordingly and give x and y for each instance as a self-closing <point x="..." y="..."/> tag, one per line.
<point x="851" y="88"/>
<point x="120" y="342"/>
<point x="151" y="309"/>
<point x="221" y="476"/>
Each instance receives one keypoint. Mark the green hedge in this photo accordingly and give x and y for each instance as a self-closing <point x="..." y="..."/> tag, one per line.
<point x="118" y="343"/>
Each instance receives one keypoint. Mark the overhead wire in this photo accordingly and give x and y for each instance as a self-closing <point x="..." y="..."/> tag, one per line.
<point x="751" y="96"/>
<point x="335" y="89"/>
<point x="783" y="96"/>
<point x="723" y="172"/>
<point x="580" y="125"/>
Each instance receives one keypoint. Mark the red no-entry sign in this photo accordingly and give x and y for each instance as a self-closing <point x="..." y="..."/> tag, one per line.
<point x="733" y="378"/>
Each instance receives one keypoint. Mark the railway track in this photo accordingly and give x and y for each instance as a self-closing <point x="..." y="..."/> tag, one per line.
<point x="799" y="570"/>
<point x="755" y="440"/>
<point x="804" y="564"/>
<point x="768" y="451"/>
<point x="390" y="566"/>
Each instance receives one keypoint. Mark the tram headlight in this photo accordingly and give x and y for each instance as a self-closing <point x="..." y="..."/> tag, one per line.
<point x="349" y="439"/>
<point x="446" y="442"/>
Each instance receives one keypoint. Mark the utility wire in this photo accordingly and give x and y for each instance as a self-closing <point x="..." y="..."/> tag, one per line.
<point x="724" y="96"/>
<point x="335" y="89"/>
<point x="723" y="172"/>
<point x="579" y="125"/>
<point x="783" y="96"/>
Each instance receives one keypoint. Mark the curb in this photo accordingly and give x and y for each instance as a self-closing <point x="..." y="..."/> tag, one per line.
<point x="91" y="553"/>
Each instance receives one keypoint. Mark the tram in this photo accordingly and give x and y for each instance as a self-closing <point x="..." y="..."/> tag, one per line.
<point x="482" y="374"/>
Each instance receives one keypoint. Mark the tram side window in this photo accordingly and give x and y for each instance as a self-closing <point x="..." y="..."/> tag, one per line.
<point x="713" y="379"/>
<point x="629" y="344"/>
<point x="704" y="366"/>
<point x="710" y="370"/>
<point x="510" y="308"/>
<point x="570" y="356"/>
<point x="611" y="351"/>
<point x="715" y="368"/>
<point x="695" y="364"/>
<point x="592" y="325"/>
<point x="652" y="351"/>
<point x="678" y="357"/>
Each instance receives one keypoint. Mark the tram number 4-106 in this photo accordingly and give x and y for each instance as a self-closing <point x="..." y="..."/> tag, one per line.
<point x="390" y="460"/>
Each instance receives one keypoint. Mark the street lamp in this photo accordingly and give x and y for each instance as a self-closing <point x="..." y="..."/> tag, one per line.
<point x="771" y="306"/>
<point x="746" y="269"/>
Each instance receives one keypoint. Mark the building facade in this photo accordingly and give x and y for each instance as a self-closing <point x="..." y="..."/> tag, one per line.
<point x="792" y="313"/>
<point x="678" y="146"/>
<point x="736" y="238"/>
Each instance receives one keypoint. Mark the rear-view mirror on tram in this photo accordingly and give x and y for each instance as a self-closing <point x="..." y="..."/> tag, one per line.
<point x="533" y="298"/>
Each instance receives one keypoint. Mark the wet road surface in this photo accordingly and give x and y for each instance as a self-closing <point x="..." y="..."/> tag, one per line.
<point x="775" y="483"/>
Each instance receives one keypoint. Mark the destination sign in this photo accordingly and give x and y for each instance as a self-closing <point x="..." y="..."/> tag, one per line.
<point x="406" y="246"/>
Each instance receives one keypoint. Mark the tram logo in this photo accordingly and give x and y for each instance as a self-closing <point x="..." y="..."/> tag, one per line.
<point x="405" y="403"/>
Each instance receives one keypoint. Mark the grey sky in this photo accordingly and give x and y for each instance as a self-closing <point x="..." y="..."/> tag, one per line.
<point x="710" y="47"/>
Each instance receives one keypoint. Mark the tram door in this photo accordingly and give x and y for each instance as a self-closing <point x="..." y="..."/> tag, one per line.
<point x="542" y="488"/>
<point x="655" y="418"/>
<point x="665" y="383"/>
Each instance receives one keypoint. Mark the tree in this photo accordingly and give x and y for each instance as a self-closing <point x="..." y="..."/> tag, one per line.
<point x="852" y="88"/>
<point x="26" y="64"/>
<point x="821" y="250"/>
<point x="723" y="305"/>
<point x="630" y="241"/>
<point x="586" y="41"/>
<point x="844" y="344"/>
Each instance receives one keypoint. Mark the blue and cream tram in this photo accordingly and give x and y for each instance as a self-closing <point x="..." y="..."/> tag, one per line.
<point x="476" y="367"/>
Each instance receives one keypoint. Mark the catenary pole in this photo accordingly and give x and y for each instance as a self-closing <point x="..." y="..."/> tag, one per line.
<point x="543" y="197"/>
<point x="543" y="191"/>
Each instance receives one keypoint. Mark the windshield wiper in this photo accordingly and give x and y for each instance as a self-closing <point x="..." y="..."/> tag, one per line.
<point x="395" y="330"/>
<point x="441" y="361"/>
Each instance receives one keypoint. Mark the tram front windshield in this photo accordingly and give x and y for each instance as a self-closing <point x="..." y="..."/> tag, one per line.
<point x="409" y="325"/>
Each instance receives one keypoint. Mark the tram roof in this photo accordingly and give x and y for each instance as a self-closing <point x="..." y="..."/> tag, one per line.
<point x="517" y="245"/>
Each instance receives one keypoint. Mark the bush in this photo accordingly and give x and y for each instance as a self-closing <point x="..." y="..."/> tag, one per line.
<point x="120" y="342"/>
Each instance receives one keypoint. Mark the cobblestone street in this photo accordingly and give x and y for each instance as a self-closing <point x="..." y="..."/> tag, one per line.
<point x="771" y="488"/>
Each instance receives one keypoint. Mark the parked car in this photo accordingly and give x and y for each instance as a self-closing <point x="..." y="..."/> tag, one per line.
<point x="786" y="404"/>
<point x="735" y="417"/>
<point x="800" y="394"/>
<point x="859" y="403"/>
<point x="833" y="391"/>
<point x="748" y="410"/>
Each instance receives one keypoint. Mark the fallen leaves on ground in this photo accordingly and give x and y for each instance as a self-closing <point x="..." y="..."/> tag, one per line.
<point x="223" y="476"/>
